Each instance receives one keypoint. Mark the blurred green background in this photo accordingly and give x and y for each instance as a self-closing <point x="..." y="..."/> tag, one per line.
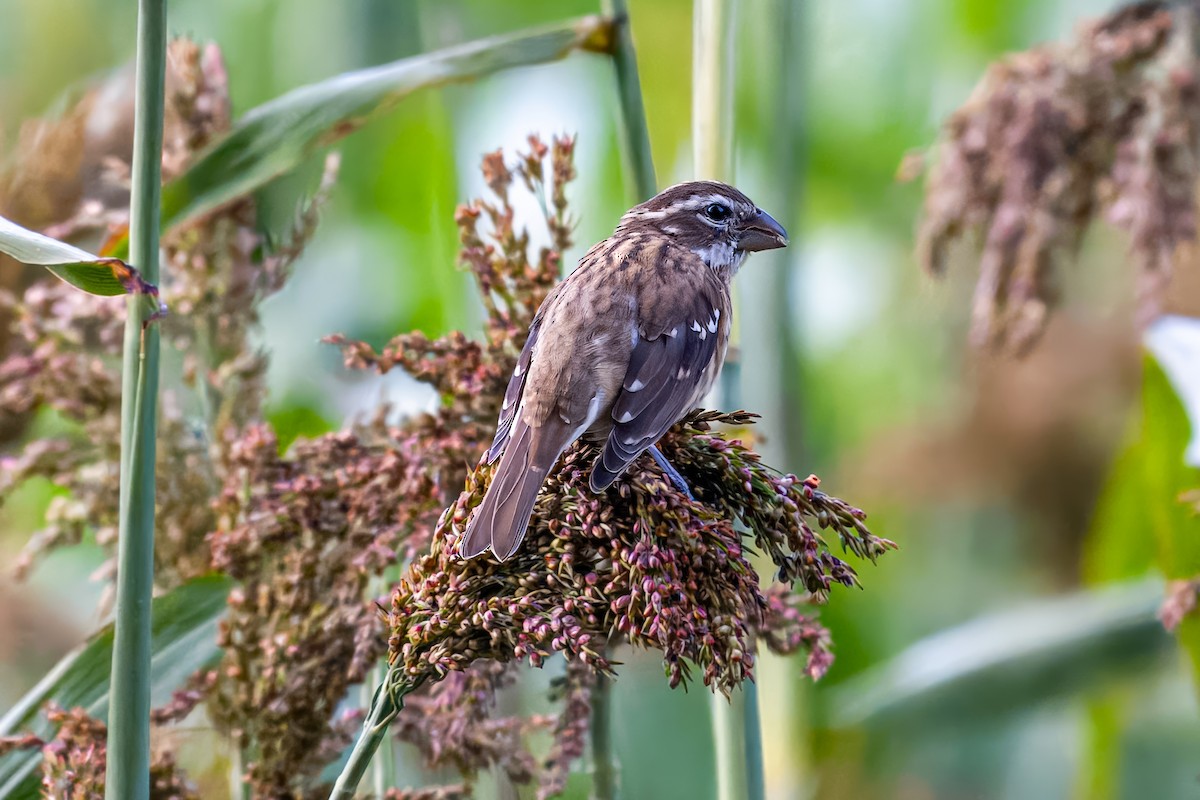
<point x="994" y="475"/>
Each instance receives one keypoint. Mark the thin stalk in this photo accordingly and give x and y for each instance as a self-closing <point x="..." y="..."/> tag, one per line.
<point x="737" y="733"/>
<point x="1099" y="772"/>
<point x="383" y="767"/>
<point x="383" y="710"/>
<point x="636" y="150"/>
<point x="604" y="761"/>
<point x="639" y="165"/>
<point x="238" y="790"/>
<point x="128" y="769"/>
<point x="729" y="746"/>
<point x="752" y="744"/>
<point x="771" y="346"/>
<point x="712" y="89"/>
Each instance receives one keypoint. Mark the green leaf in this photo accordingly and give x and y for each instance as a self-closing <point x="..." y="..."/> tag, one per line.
<point x="183" y="640"/>
<point x="1009" y="661"/>
<point x="279" y="135"/>
<point x="1165" y="430"/>
<point x="1140" y="520"/>
<point x="94" y="274"/>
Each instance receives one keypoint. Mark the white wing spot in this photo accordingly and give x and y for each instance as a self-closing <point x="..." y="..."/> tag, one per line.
<point x="519" y="371"/>
<point x="696" y="326"/>
<point x="673" y="332"/>
<point x="683" y="373"/>
<point x="636" y="386"/>
<point x="628" y="415"/>
<point x="566" y="420"/>
<point x="712" y="324"/>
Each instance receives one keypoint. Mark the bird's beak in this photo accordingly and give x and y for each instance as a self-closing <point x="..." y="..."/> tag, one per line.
<point x="762" y="233"/>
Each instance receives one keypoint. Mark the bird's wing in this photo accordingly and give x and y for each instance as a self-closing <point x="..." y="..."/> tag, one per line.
<point x="512" y="395"/>
<point x="677" y="340"/>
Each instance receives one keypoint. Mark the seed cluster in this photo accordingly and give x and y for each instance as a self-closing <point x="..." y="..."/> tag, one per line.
<point x="1052" y="138"/>
<point x="640" y="562"/>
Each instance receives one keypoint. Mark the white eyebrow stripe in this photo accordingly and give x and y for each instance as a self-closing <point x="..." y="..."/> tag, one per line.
<point x="694" y="203"/>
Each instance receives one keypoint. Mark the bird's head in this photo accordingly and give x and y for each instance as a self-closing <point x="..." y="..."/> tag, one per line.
<point x="713" y="220"/>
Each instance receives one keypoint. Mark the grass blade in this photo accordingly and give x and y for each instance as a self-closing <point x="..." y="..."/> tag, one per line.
<point x="94" y="274"/>
<point x="636" y="134"/>
<point x="279" y="135"/>
<point x="182" y="641"/>
<point x="1009" y="661"/>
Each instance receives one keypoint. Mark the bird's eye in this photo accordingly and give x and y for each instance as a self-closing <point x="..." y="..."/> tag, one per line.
<point x="717" y="212"/>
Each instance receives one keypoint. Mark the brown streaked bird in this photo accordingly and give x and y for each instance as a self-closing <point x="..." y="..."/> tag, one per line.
<point x="621" y="350"/>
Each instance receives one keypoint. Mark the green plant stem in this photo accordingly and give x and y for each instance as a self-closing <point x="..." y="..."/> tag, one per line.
<point x="712" y="89"/>
<point x="383" y="767"/>
<point x="604" y="762"/>
<point x="639" y="165"/>
<point x="737" y="736"/>
<point x="128" y="768"/>
<point x="752" y="744"/>
<point x="238" y="790"/>
<point x="636" y="151"/>
<point x="729" y="746"/>
<point x="770" y="338"/>
<point x="383" y="710"/>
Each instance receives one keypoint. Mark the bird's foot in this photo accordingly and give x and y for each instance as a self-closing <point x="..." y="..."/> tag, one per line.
<point x="672" y="474"/>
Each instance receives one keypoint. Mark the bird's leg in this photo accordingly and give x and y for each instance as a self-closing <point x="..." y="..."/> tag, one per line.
<point x="672" y="474"/>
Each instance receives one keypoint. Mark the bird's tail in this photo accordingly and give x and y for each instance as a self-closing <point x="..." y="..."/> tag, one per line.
<point x="502" y="517"/>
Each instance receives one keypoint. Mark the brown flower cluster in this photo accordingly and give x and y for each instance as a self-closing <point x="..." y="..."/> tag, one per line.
<point x="1052" y="138"/>
<point x="303" y="536"/>
<point x="74" y="761"/>
<point x="1179" y="603"/>
<point x="640" y="562"/>
<point x="63" y="354"/>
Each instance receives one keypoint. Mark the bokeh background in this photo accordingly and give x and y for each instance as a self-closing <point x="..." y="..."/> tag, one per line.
<point x="971" y="666"/>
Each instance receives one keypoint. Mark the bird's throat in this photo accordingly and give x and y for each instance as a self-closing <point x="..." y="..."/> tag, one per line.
<point x="722" y="258"/>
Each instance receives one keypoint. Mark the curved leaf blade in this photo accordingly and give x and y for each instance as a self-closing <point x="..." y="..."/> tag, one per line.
<point x="276" y="137"/>
<point x="1006" y="662"/>
<point x="104" y="276"/>
<point x="183" y="640"/>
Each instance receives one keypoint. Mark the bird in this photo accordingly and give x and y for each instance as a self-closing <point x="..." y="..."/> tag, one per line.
<point x="620" y="350"/>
